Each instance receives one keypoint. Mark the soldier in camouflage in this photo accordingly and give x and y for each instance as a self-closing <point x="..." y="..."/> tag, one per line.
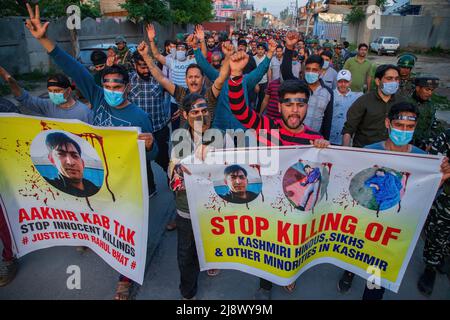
<point x="338" y="59"/>
<point x="428" y="128"/>
<point x="406" y="63"/>
<point x="437" y="228"/>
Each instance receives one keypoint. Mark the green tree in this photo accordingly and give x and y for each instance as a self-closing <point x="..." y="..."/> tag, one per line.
<point x="147" y="10"/>
<point x="57" y="8"/>
<point x="191" y="11"/>
<point x="177" y="11"/>
<point x="12" y="8"/>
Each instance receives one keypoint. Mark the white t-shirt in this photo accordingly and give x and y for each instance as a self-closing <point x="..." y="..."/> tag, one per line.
<point x="177" y="71"/>
<point x="275" y="66"/>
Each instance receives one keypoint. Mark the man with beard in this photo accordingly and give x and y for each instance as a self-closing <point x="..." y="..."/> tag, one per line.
<point x="319" y="117"/>
<point x="194" y="78"/>
<point x="123" y="53"/>
<point x="197" y="122"/>
<point x="177" y="68"/>
<point x="211" y="48"/>
<point x="361" y="68"/>
<point x="148" y="94"/>
<point x="287" y="131"/>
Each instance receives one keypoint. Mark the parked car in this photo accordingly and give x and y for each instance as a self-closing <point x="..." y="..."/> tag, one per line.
<point x="85" y="53"/>
<point x="385" y="45"/>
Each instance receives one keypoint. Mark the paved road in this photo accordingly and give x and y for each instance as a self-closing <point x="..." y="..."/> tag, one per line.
<point x="42" y="274"/>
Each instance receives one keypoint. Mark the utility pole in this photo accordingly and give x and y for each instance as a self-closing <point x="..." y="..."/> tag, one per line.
<point x="308" y="11"/>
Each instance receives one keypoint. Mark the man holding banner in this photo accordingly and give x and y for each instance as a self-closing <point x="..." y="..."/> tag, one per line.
<point x="400" y="124"/>
<point x="109" y="104"/>
<point x="293" y="107"/>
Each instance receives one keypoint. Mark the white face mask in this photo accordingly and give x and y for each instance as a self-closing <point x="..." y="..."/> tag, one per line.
<point x="181" y="55"/>
<point x="173" y="52"/>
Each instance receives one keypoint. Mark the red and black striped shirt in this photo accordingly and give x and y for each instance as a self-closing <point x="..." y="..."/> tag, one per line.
<point x="277" y="134"/>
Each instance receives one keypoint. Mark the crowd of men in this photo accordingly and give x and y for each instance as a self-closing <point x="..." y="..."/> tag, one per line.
<point x="311" y="92"/>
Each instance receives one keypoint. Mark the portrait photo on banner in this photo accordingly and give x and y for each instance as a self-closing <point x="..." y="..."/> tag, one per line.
<point x="67" y="162"/>
<point x="238" y="183"/>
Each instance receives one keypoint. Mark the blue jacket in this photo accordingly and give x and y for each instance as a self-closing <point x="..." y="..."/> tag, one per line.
<point x="389" y="186"/>
<point x="312" y="177"/>
<point x="104" y="114"/>
<point x="223" y="117"/>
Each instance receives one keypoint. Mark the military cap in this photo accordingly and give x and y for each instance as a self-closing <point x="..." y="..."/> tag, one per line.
<point x="427" y="81"/>
<point x="406" y="60"/>
<point x="120" y="39"/>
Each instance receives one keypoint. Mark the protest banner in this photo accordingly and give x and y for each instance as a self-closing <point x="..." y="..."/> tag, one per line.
<point x="64" y="182"/>
<point x="359" y="209"/>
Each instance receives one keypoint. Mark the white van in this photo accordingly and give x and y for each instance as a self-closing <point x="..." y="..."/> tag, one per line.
<point x="385" y="45"/>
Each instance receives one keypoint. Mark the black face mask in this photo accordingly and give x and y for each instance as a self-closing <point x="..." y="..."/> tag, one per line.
<point x="216" y="66"/>
<point x="211" y="45"/>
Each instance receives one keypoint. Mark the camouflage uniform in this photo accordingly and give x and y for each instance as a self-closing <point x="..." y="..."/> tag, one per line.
<point x="407" y="86"/>
<point x="428" y="127"/>
<point x="437" y="228"/>
<point x="338" y="60"/>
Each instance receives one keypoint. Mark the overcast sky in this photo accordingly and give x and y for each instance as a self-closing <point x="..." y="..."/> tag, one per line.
<point x="275" y="6"/>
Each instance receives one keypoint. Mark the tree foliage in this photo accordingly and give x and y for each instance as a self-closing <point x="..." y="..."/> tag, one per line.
<point x="191" y="11"/>
<point x="177" y="11"/>
<point x="12" y="8"/>
<point x="147" y="10"/>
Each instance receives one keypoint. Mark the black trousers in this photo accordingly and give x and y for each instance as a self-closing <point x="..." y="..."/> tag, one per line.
<point x="260" y="96"/>
<point x="187" y="258"/>
<point x="161" y="138"/>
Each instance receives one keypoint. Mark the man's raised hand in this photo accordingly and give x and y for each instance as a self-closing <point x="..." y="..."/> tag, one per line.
<point x="151" y="33"/>
<point x="37" y="29"/>
<point x="199" y="32"/>
<point x="143" y="49"/>
<point x="292" y="38"/>
<point x="238" y="62"/>
<point x="192" y="41"/>
<point x="4" y="74"/>
<point x="272" y="46"/>
<point x="227" y="49"/>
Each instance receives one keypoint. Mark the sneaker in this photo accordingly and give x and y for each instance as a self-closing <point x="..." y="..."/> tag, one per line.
<point x="345" y="283"/>
<point x="301" y="208"/>
<point x="263" y="294"/>
<point x="8" y="271"/>
<point x="426" y="281"/>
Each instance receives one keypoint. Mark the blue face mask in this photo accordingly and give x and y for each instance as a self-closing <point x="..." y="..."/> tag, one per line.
<point x="181" y="55"/>
<point x="113" y="98"/>
<point x="400" y="137"/>
<point x="57" y="98"/>
<point x="326" y="64"/>
<point x="311" y="77"/>
<point x="389" y="88"/>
